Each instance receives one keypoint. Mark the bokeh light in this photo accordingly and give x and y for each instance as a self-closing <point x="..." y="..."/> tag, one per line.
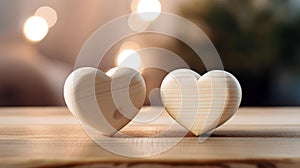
<point x="133" y="5"/>
<point x="149" y="10"/>
<point x="129" y="58"/>
<point x="48" y="13"/>
<point x="35" y="28"/>
<point x="136" y="23"/>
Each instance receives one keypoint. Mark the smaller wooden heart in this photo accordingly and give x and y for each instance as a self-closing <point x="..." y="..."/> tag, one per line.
<point x="200" y="103"/>
<point x="102" y="102"/>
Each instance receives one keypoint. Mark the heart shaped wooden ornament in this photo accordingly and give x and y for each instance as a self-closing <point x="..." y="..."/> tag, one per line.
<point x="105" y="103"/>
<point x="200" y="103"/>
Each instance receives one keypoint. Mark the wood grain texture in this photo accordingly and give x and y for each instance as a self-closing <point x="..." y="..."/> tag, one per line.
<point x="200" y="103"/>
<point x="51" y="137"/>
<point x="105" y="103"/>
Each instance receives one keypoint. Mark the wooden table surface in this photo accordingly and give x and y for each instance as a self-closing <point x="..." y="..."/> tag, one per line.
<point x="52" y="137"/>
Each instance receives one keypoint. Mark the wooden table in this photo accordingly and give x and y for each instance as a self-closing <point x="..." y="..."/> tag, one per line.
<point x="52" y="137"/>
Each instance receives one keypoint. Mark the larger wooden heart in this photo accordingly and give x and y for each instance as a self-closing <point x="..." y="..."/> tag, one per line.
<point x="200" y="103"/>
<point x="105" y="103"/>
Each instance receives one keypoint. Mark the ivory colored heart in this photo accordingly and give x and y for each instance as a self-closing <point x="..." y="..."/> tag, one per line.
<point x="102" y="102"/>
<point x="200" y="104"/>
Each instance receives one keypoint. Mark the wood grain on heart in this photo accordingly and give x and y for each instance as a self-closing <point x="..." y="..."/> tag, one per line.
<point x="200" y="103"/>
<point x="105" y="103"/>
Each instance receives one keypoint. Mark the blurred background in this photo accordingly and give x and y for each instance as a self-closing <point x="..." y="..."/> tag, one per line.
<point x="258" y="41"/>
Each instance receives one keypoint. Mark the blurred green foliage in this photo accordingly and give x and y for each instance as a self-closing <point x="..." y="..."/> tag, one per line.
<point x="258" y="40"/>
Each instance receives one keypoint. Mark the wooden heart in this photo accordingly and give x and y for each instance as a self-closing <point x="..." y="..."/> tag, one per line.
<point x="200" y="103"/>
<point x="105" y="103"/>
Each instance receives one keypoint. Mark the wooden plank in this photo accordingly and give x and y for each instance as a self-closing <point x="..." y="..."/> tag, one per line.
<point x="250" y="139"/>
